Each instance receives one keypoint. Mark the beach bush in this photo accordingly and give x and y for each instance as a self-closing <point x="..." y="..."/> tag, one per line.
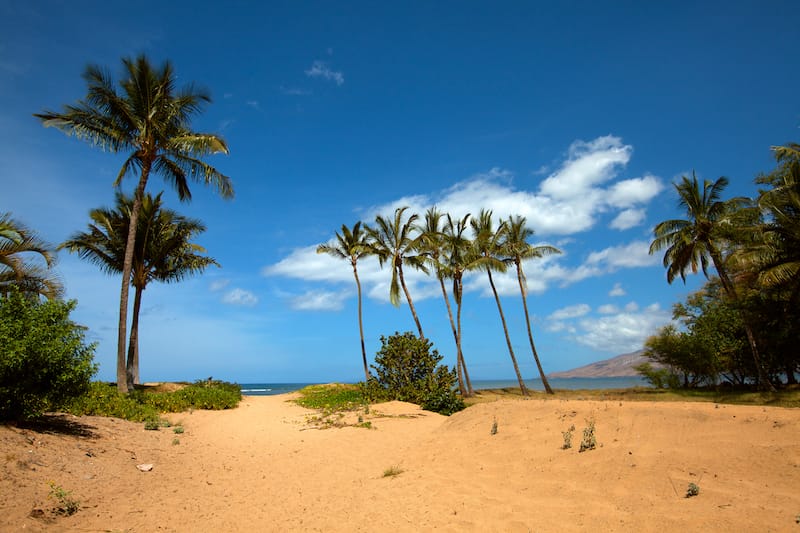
<point x="407" y="369"/>
<point x="44" y="359"/>
<point x="103" y="399"/>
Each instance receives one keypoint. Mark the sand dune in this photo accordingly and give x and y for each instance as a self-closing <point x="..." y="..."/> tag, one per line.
<point x="261" y="467"/>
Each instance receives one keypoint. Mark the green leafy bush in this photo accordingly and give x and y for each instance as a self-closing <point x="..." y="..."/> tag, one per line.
<point x="660" y="378"/>
<point x="44" y="360"/>
<point x="407" y="369"/>
<point x="103" y="399"/>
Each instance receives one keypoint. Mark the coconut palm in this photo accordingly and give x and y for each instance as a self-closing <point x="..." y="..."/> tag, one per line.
<point x="397" y="242"/>
<point x="515" y="245"/>
<point x="703" y="235"/>
<point x="17" y="245"/>
<point x="433" y="248"/>
<point x="488" y="245"/>
<point x="351" y="245"/>
<point x="459" y="259"/>
<point x="163" y="252"/>
<point x="151" y="120"/>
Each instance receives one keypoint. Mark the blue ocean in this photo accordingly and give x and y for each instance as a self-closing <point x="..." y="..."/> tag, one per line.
<point x="269" y="389"/>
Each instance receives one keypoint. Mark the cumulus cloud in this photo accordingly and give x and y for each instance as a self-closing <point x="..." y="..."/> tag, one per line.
<point x="621" y="332"/>
<point x="569" y="201"/>
<point x="617" y="290"/>
<point x="240" y="297"/>
<point x="320" y="69"/>
<point x="628" y="218"/>
<point x="633" y="254"/>
<point x="319" y="301"/>
<point x="571" y="311"/>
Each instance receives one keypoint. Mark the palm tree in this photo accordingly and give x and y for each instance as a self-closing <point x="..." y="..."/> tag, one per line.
<point x="351" y="245"/>
<point x="433" y="242"/>
<point x="163" y="252"/>
<point x="151" y="119"/>
<point x="459" y="259"/>
<point x="703" y="234"/>
<point x="487" y="242"/>
<point x="17" y="243"/>
<point x="392" y="240"/>
<point x="515" y="246"/>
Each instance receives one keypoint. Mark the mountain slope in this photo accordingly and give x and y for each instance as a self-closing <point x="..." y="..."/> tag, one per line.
<point x="619" y="366"/>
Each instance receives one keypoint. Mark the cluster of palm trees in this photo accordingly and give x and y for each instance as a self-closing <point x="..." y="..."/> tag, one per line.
<point x="754" y="245"/>
<point x="440" y="244"/>
<point x="150" y="119"/>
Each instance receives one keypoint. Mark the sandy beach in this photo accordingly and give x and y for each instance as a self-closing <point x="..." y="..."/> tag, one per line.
<point x="262" y="467"/>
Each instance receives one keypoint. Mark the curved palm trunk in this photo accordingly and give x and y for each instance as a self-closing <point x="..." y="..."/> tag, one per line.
<point x="132" y="368"/>
<point x="730" y="289"/>
<point x="408" y="299"/>
<point x="522" y="386"/>
<point x="470" y="391"/>
<point x="546" y="383"/>
<point x="127" y="267"/>
<point x="361" y="325"/>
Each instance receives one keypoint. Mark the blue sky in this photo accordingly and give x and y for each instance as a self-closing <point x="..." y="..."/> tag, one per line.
<point x="576" y="115"/>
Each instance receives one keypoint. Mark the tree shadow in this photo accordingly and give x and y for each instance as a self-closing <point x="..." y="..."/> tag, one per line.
<point x="58" y="424"/>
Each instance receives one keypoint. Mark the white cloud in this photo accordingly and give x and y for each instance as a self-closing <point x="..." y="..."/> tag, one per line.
<point x="218" y="284"/>
<point x="320" y="69"/>
<point x="240" y="297"/>
<point x="627" y="219"/>
<point x="319" y="301"/>
<point x="608" y="309"/>
<point x="588" y="165"/>
<point x="254" y="104"/>
<point x="627" y="193"/>
<point x="633" y="254"/>
<point x="621" y="332"/>
<point x="617" y="290"/>
<point x="571" y="311"/>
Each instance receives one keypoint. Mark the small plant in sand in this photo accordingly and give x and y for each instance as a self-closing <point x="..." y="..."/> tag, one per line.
<point x="65" y="503"/>
<point x="494" y="427"/>
<point x="176" y="441"/>
<point x="392" y="471"/>
<point x="588" y="442"/>
<point x="692" y="490"/>
<point x="152" y="424"/>
<point x="567" y="438"/>
<point x="177" y="430"/>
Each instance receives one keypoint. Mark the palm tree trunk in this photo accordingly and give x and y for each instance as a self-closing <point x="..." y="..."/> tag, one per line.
<point x="461" y="386"/>
<point x="546" y="383"/>
<point x="730" y="289"/>
<point x="127" y="267"/>
<point x="408" y="299"/>
<point x="133" y="345"/>
<point x="522" y="386"/>
<point x="361" y="325"/>
<point x="470" y="391"/>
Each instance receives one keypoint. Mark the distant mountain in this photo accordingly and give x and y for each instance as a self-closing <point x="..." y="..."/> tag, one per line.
<point x="619" y="366"/>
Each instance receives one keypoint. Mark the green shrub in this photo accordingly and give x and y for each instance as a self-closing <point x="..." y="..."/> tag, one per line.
<point x="44" y="360"/>
<point x="103" y="399"/>
<point x="660" y="378"/>
<point x="407" y="369"/>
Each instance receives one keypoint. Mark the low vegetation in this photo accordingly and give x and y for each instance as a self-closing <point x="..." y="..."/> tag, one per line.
<point x="143" y="405"/>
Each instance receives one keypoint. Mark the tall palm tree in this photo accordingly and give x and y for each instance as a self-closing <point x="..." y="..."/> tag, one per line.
<point x="397" y="242"/>
<point x="459" y="259"/>
<point x="163" y="252"/>
<point x="151" y="119"/>
<point x="17" y="244"/>
<point x="515" y="245"/>
<point x="433" y="242"/>
<point x="701" y="236"/>
<point x="351" y="245"/>
<point x="488" y="244"/>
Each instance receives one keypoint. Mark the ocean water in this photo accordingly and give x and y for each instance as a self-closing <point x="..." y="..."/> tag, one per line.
<point x="269" y="389"/>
